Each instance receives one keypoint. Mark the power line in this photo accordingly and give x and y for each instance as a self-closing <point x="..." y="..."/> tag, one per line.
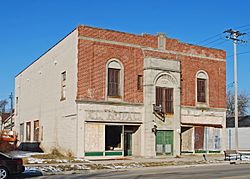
<point x="214" y="36"/>
<point x="241" y="53"/>
<point x="240" y="27"/>
<point x="218" y="44"/>
<point x="212" y="41"/>
<point x="211" y="37"/>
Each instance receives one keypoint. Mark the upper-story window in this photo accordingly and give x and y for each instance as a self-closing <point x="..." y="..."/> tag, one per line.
<point x="165" y="99"/>
<point x="63" y="85"/>
<point x="202" y="87"/>
<point x="114" y="79"/>
<point x="17" y="106"/>
<point x="139" y="83"/>
<point x="113" y="82"/>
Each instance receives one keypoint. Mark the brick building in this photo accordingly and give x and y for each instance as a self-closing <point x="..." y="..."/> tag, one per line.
<point x="100" y="92"/>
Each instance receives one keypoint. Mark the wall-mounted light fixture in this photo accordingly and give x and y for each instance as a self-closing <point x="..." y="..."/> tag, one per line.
<point x="154" y="128"/>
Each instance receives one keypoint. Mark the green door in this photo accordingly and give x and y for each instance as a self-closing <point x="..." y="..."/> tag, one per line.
<point x="164" y="142"/>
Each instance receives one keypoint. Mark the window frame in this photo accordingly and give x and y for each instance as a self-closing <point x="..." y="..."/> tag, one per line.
<point x="163" y="99"/>
<point x="115" y="64"/>
<point x="201" y="90"/>
<point x="202" y="75"/>
<point x="63" y="85"/>
<point x="114" y="82"/>
<point x="36" y="133"/>
<point x="28" y="132"/>
<point x="140" y="82"/>
<point x="21" y="129"/>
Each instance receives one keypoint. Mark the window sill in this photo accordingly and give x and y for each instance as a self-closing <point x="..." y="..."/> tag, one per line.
<point x="202" y="105"/>
<point x="62" y="99"/>
<point x="114" y="98"/>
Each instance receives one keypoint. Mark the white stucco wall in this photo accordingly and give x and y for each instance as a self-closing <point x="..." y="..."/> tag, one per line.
<point x="38" y="89"/>
<point x="243" y="137"/>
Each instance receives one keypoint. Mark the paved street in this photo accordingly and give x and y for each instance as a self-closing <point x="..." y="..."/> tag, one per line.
<point x="241" y="171"/>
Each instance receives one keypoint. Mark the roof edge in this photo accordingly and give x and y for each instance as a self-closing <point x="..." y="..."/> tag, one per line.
<point x="46" y="51"/>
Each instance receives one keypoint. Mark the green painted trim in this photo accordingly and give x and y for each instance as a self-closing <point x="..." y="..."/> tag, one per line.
<point x="112" y="153"/>
<point x="160" y="154"/>
<point x="187" y="152"/>
<point x="214" y="151"/>
<point x="93" y="154"/>
<point x="129" y="152"/>
<point x="200" y="151"/>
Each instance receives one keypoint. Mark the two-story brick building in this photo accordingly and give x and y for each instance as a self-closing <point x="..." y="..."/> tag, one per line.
<point x="100" y="92"/>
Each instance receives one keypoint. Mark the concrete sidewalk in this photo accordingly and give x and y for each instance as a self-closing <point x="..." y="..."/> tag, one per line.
<point x="116" y="163"/>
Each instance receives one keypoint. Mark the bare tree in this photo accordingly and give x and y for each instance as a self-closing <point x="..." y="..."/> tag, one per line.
<point x="3" y="104"/>
<point x="243" y="103"/>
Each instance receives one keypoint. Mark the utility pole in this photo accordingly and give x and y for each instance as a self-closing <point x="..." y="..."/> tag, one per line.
<point x="11" y="110"/>
<point x="233" y="35"/>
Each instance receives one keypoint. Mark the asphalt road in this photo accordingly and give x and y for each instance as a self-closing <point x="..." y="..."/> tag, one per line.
<point x="241" y="171"/>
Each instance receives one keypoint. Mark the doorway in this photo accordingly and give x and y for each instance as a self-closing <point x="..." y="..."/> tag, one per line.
<point x="164" y="142"/>
<point x="127" y="143"/>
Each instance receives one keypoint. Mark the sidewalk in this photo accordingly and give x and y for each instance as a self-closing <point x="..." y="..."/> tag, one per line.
<point x="116" y="163"/>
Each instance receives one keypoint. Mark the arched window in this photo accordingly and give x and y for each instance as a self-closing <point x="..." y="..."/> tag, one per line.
<point x="202" y="87"/>
<point x="114" y="79"/>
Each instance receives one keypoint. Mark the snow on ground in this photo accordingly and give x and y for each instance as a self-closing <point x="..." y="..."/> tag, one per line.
<point x="57" y="166"/>
<point x="23" y="154"/>
<point x="245" y="157"/>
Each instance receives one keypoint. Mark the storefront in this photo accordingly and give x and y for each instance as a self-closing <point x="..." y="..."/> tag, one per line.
<point x="113" y="132"/>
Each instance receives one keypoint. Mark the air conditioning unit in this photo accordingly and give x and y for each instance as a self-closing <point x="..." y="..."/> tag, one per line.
<point x="157" y="109"/>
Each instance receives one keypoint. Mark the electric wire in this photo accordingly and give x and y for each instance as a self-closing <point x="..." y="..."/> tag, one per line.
<point x="209" y="38"/>
<point x="241" y="53"/>
<point x="218" y="44"/>
<point x="218" y="39"/>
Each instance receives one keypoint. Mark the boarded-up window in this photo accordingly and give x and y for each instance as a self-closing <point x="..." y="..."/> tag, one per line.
<point x="113" y="82"/>
<point x="28" y="131"/>
<point x="199" y="138"/>
<point x="36" y="131"/>
<point x="165" y="99"/>
<point x="22" y="132"/>
<point x="139" y="83"/>
<point x="201" y="90"/>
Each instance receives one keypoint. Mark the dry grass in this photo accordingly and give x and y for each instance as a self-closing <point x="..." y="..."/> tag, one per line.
<point x="55" y="154"/>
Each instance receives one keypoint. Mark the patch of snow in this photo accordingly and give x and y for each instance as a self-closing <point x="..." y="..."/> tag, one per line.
<point x="22" y="154"/>
<point x="80" y="160"/>
<point x="80" y="167"/>
<point x="120" y="167"/>
<point x="50" y="169"/>
<point x="61" y="161"/>
<point x="245" y="157"/>
<point x="36" y="161"/>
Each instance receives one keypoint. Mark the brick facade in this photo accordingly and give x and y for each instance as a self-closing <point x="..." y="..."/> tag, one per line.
<point x="97" y="46"/>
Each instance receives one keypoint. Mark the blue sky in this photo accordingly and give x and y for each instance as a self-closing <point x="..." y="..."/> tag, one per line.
<point x="29" y="27"/>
